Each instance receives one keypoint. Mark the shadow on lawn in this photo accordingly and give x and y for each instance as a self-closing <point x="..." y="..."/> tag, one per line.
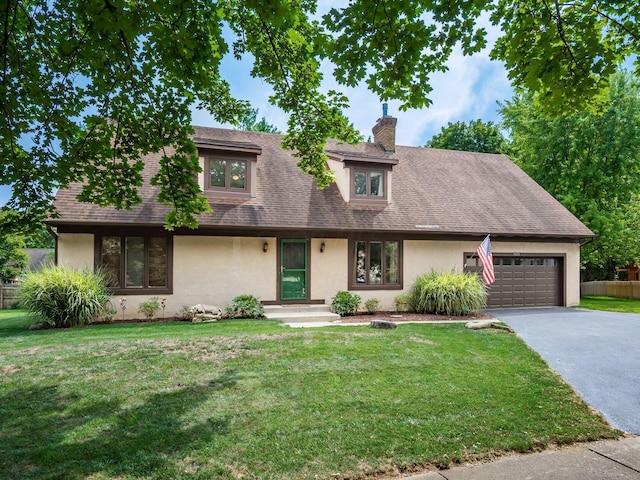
<point x="49" y="435"/>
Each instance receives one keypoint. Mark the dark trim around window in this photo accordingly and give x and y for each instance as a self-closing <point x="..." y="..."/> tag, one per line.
<point x="145" y="273"/>
<point x="368" y="171"/>
<point x="375" y="271"/>
<point x="229" y="159"/>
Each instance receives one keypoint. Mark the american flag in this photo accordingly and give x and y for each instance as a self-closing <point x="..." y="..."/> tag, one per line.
<point x="486" y="257"/>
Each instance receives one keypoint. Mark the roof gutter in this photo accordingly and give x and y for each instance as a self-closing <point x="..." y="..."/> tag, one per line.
<point x="51" y="232"/>
<point x="588" y="241"/>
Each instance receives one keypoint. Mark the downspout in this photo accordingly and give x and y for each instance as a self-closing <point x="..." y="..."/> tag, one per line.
<point x="587" y="242"/>
<point x="55" y="237"/>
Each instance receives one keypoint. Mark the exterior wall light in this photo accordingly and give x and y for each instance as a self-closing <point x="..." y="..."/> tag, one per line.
<point x="265" y="247"/>
<point x="322" y="247"/>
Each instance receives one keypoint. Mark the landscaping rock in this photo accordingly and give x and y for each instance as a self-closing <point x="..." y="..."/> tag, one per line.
<point x="205" y="317"/>
<point x="205" y="313"/>
<point x="480" y="324"/>
<point x="382" y="324"/>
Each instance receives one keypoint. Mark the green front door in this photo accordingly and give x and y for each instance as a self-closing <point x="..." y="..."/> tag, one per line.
<point x="293" y="268"/>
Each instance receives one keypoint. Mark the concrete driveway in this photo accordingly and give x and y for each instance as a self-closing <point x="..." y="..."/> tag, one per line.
<point x="598" y="353"/>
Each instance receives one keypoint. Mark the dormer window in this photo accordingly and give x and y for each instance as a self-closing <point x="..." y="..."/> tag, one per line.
<point x="227" y="174"/>
<point x="229" y="167"/>
<point x="363" y="178"/>
<point x="369" y="183"/>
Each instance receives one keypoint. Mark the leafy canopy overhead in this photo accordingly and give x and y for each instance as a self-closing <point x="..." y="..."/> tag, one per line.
<point x="89" y="86"/>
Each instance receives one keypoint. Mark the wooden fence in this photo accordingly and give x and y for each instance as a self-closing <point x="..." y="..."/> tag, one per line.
<point x="617" y="289"/>
<point x="8" y="295"/>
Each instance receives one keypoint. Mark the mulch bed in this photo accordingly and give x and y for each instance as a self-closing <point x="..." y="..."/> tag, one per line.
<point x="414" y="317"/>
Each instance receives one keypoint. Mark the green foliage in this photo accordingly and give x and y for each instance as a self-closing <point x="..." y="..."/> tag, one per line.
<point x="184" y="313"/>
<point x="477" y="136"/>
<point x="565" y="52"/>
<point x="372" y="306"/>
<point x="345" y="303"/>
<point x="13" y="258"/>
<point x="404" y="302"/>
<point x="145" y="65"/>
<point x="590" y="162"/>
<point x="39" y="238"/>
<point x="149" y="308"/>
<point x="449" y="293"/>
<point x="244" y="306"/>
<point x="250" y="123"/>
<point x="65" y="297"/>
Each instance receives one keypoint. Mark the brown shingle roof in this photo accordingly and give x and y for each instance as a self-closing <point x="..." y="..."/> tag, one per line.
<point x="434" y="191"/>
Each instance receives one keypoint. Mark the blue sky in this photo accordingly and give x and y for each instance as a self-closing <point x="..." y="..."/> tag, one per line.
<point x="469" y="90"/>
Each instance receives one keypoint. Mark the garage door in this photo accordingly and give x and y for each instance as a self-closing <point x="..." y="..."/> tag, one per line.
<point x="524" y="281"/>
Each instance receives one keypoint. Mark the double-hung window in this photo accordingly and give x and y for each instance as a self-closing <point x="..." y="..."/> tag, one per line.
<point x="135" y="264"/>
<point x="376" y="264"/>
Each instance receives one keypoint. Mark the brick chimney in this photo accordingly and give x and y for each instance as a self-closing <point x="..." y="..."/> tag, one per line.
<point x="384" y="131"/>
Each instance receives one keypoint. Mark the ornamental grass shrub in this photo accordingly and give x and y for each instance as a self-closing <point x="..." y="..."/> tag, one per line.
<point x="449" y="293"/>
<point x="65" y="297"/>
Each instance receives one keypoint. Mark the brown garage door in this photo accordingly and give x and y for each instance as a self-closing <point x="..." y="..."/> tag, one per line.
<point x="524" y="281"/>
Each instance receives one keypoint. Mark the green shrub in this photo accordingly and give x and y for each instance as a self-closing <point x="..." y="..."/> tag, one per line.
<point x="63" y="296"/>
<point x="372" y="306"/>
<point x="449" y="293"/>
<point x="149" y="308"/>
<point x="345" y="303"/>
<point x="404" y="302"/>
<point x="184" y="313"/>
<point x="244" y="306"/>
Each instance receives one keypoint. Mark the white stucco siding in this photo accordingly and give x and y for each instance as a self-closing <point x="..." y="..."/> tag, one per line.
<point x="214" y="270"/>
<point x="342" y="177"/>
<point x="329" y="269"/>
<point x="76" y="250"/>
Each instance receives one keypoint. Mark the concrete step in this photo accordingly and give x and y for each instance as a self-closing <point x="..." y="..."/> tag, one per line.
<point x="301" y="313"/>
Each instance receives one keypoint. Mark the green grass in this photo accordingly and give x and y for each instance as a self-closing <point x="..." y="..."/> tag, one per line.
<point x="254" y="399"/>
<point x="610" y="304"/>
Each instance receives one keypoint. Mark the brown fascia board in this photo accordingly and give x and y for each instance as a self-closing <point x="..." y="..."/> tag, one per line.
<point x="351" y="157"/>
<point x="275" y="231"/>
<point x="227" y="145"/>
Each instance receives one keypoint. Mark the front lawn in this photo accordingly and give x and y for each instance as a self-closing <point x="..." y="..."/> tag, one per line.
<point x="254" y="399"/>
<point x="610" y="304"/>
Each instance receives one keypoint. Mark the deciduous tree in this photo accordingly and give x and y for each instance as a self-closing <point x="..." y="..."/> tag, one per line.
<point x="476" y="136"/>
<point x="250" y="123"/>
<point x="13" y="258"/>
<point x="590" y="161"/>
